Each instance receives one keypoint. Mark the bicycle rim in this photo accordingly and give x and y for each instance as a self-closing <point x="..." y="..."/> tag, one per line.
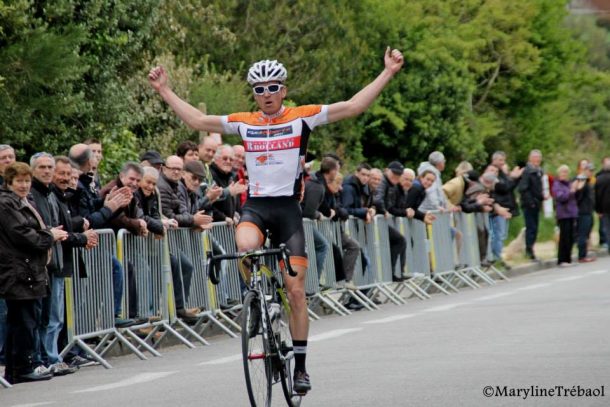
<point x="292" y="399"/>
<point x="255" y="353"/>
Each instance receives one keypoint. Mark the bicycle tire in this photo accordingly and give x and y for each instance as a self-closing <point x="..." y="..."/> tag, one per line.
<point x="285" y="341"/>
<point x="258" y="370"/>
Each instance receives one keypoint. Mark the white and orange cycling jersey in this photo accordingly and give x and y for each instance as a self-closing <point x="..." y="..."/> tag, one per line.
<point x="276" y="146"/>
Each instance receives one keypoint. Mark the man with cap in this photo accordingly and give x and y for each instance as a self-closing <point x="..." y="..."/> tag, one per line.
<point x="196" y="200"/>
<point x="174" y="206"/>
<point x="386" y="202"/>
<point x="151" y="159"/>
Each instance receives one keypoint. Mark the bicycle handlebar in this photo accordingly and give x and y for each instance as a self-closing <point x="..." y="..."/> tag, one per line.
<point x="282" y="251"/>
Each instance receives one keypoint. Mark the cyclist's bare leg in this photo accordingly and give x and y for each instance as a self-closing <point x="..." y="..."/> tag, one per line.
<point x="248" y="237"/>
<point x="295" y="286"/>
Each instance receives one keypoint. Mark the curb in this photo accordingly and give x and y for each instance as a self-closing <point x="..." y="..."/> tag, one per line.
<point x="545" y="265"/>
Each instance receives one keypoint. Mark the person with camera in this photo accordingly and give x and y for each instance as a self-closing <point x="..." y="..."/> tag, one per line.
<point x="584" y="200"/>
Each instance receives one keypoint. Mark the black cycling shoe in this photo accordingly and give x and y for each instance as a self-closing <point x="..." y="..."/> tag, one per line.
<point x="301" y="383"/>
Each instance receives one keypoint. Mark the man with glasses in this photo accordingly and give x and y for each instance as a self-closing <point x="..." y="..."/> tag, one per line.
<point x="223" y="176"/>
<point x="275" y="139"/>
<point x="173" y="195"/>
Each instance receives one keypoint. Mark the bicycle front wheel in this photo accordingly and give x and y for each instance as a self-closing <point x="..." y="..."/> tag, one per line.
<point x="285" y="345"/>
<point x="255" y="353"/>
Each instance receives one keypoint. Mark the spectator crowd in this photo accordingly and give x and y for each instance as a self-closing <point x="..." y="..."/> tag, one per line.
<point x="53" y="204"/>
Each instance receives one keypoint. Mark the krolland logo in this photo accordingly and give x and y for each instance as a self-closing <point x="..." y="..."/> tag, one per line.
<point x="284" y="144"/>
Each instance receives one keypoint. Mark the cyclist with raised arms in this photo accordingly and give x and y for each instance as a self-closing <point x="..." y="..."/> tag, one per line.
<point x="275" y="140"/>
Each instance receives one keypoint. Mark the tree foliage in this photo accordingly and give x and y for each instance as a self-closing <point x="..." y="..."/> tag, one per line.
<point x="479" y="74"/>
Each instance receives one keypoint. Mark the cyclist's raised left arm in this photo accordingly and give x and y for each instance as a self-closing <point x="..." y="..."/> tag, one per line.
<point x="362" y="100"/>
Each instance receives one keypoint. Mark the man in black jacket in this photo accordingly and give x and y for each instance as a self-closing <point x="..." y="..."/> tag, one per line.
<point x="530" y="188"/>
<point x="79" y="235"/>
<point x="313" y="205"/>
<point x="356" y="197"/>
<point x="98" y="212"/>
<point x="385" y="200"/>
<point x="602" y="195"/>
<point x="45" y="201"/>
<point x="503" y="194"/>
<point x="584" y="199"/>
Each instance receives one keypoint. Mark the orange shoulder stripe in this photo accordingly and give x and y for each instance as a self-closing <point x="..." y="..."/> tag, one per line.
<point x="251" y="118"/>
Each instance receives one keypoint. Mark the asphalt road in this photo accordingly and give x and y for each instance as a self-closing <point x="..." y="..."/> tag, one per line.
<point x="536" y="332"/>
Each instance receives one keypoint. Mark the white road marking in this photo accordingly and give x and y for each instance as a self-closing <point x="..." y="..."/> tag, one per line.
<point x="570" y="278"/>
<point x="534" y="286"/>
<point x="599" y="272"/>
<point x="137" y="379"/>
<point x="228" y="359"/>
<point x="43" y="403"/>
<point x="494" y="296"/>
<point x="389" y="319"/>
<point x="332" y="334"/>
<point x="444" y="307"/>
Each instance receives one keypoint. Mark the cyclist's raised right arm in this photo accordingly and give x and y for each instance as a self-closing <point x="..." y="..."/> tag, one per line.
<point x="193" y="117"/>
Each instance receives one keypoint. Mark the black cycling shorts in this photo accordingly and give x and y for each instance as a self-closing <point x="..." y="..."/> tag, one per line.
<point x="282" y="217"/>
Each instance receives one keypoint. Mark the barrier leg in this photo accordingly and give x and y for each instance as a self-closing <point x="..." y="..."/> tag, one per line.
<point x="142" y="343"/>
<point x="312" y="315"/>
<point x="389" y="294"/>
<point x="337" y="303"/>
<point x="212" y="320"/>
<point x="191" y="332"/>
<point x="4" y="383"/>
<point x="469" y="281"/>
<point x="228" y="320"/>
<point x="329" y="304"/>
<point x="414" y="289"/>
<point x="429" y="283"/>
<point x="479" y="273"/>
<point x="446" y="283"/>
<point x="119" y="336"/>
<point x="394" y="294"/>
<point x="169" y="329"/>
<point x="499" y="273"/>
<point x="366" y="303"/>
<point x="81" y="344"/>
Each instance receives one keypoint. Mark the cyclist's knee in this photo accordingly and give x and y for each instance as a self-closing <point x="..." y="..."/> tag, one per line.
<point x="296" y="295"/>
<point x="248" y="237"/>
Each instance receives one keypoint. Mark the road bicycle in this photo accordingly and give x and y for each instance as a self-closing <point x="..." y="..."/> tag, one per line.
<point x="266" y="342"/>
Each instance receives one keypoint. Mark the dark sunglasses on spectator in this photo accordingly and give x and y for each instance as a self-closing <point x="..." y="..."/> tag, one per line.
<point x="272" y="89"/>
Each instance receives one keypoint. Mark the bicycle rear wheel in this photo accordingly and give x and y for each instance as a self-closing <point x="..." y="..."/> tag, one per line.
<point x="255" y="352"/>
<point x="285" y="345"/>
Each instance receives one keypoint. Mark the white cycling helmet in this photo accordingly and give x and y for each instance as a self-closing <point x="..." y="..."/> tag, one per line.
<point x="266" y="71"/>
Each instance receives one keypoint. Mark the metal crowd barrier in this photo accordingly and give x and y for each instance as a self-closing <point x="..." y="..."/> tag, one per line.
<point x="469" y="255"/>
<point x="90" y="301"/>
<point x="312" y="282"/>
<point x="490" y="257"/>
<point x="430" y="255"/>
<point x="201" y="296"/>
<point x="148" y="258"/>
<point x="442" y="256"/>
<point x="221" y="238"/>
<point x="331" y="230"/>
<point x="418" y="266"/>
<point x="378" y="244"/>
